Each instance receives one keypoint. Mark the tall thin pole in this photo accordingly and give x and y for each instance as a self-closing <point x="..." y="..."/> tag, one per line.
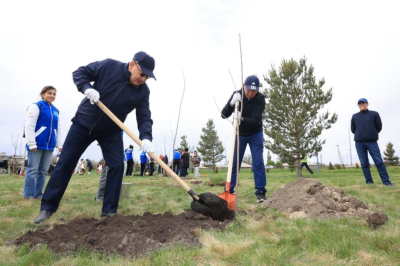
<point x="340" y="157"/>
<point x="317" y="164"/>
<point x="351" y="159"/>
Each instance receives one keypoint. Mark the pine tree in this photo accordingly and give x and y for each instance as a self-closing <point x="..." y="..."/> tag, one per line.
<point x="330" y="167"/>
<point x="210" y="146"/>
<point x="292" y="117"/>
<point x="184" y="143"/>
<point x="390" y="159"/>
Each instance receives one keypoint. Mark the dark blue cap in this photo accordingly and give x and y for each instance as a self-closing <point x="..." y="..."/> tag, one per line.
<point x="146" y="63"/>
<point x="252" y="83"/>
<point x="362" y="100"/>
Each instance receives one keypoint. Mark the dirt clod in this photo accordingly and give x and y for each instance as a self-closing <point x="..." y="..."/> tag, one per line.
<point x="126" y="235"/>
<point x="308" y="198"/>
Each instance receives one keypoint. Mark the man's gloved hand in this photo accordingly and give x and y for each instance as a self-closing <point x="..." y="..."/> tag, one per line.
<point x="236" y="97"/>
<point x="236" y="115"/>
<point x="92" y="95"/>
<point x="147" y="146"/>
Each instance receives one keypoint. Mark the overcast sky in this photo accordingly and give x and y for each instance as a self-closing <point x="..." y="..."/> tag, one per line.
<point x="354" y="45"/>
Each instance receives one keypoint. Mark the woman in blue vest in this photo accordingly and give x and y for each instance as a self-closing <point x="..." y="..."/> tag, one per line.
<point x="42" y="135"/>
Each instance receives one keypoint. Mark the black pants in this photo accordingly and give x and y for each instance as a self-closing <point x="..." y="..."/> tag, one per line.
<point x="129" y="167"/>
<point x="175" y="165"/>
<point x="184" y="171"/>
<point x="151" y="169"/>
<point x="308" y="167"/>
<point x="142" y="169"/>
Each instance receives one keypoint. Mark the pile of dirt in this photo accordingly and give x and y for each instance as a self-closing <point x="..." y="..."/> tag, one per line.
<point x="126" y="235"/>
<point x="308" y="198"/>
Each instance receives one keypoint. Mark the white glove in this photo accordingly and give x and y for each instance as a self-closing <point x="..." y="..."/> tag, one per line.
<point x="236" y="115"/>
<point x="147" y="146"/>
<point x="92" y="95"/>
<point x="236" y="97"/>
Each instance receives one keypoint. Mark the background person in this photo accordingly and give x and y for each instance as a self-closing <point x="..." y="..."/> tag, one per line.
<point x="185" y="163"/>
<point x="176" y="161"/>
<point x="366" y="126"/>
<point x="304" y="163"/>
<point x="250" y="132"/>
<point x="122" y="88"/>
<point x="129" y="158"/>
<point x="90" y="166"/>
<point x="43" y="134"/>
<point x="196" y="163"/>
<point x="143" y="162"/>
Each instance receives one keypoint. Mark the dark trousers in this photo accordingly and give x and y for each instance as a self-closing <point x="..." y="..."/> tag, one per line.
<point x="129" y="167"/>
<point x="159" y="169"/>
<point x="151" y="169"/>
<point x="372" y="147"/>
<point x="78" y="139"/>
<point x="308" y="167"/>
<point x="142" y="169"/>
<point x="256" y="143"/>
<point x="185" y="171"/>
<point x="176" y="165"/>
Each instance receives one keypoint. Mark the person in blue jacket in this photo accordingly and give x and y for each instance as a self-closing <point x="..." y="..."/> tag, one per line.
<point x="43" y="134"/>
<point x="122" y="88"/>
<point x="366" y="126"/>
<point x="143" y="162"/>
<point x="129" y="158"/>
<point x="176" y="162"/>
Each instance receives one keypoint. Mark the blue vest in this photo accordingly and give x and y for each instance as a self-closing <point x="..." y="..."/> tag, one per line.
<point x="177" y="155"/>
<point x="46" y="126"/>
<point x="143" y="157"/>
<point x="129" y="154"/>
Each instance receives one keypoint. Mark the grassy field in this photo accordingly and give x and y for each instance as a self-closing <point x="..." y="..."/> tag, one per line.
<point x="258" y="238"/>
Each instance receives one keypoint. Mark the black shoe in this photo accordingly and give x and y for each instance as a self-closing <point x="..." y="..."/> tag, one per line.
<point x="105" y="214"/>
<point x="43" y="215"/>
<point x="261" y="197"/>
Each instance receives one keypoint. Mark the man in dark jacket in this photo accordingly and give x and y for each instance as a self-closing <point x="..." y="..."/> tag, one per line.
<point x="366" y="126"/>
<point x="90" y="165"/>
<point x="185" y="163"/>
<point x="250" y="132"/>
<point x="122" y="88"/>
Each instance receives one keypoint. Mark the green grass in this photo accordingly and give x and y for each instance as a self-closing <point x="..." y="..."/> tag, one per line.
<point x="258" y="237"/>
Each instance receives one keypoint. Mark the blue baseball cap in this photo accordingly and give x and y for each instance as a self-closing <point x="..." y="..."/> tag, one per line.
<point x="252" y="83"/>
<point x="146" y="63"/>
<point x="362" y="100"/>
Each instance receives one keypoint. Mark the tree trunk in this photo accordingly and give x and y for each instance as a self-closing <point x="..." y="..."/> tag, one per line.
<point x="298" y="168"/>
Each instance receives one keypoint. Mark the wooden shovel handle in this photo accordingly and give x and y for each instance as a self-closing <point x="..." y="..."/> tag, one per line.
<point x="139" y="142"/>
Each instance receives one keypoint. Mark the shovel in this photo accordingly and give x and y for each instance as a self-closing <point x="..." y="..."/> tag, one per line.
<point x="230" y="197"/>
<point x="206" y="203"/>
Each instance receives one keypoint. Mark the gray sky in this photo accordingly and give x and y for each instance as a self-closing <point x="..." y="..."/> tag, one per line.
<point x="354" y="45"/>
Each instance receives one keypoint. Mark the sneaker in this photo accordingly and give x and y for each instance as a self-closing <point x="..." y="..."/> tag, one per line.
<point x="261" y="197"/>
<point x="105" y="214"/>
<point x="370" y="183"/>
<point x="389" y="185"/>
<point x="43" y="215"/>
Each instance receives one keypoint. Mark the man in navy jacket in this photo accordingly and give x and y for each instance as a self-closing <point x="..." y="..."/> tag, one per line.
<point x="122" y="88"/>
<point x="250" y="132"/>
<point x="366" y="126"/>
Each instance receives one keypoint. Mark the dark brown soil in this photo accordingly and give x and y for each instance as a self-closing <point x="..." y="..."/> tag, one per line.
<point x="126" y="235"/>
<point x="308" y="198"/>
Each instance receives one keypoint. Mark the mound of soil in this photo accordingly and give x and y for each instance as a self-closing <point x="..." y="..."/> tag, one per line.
<point x="308" y="198"/>
<point x="126" y="235"/>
